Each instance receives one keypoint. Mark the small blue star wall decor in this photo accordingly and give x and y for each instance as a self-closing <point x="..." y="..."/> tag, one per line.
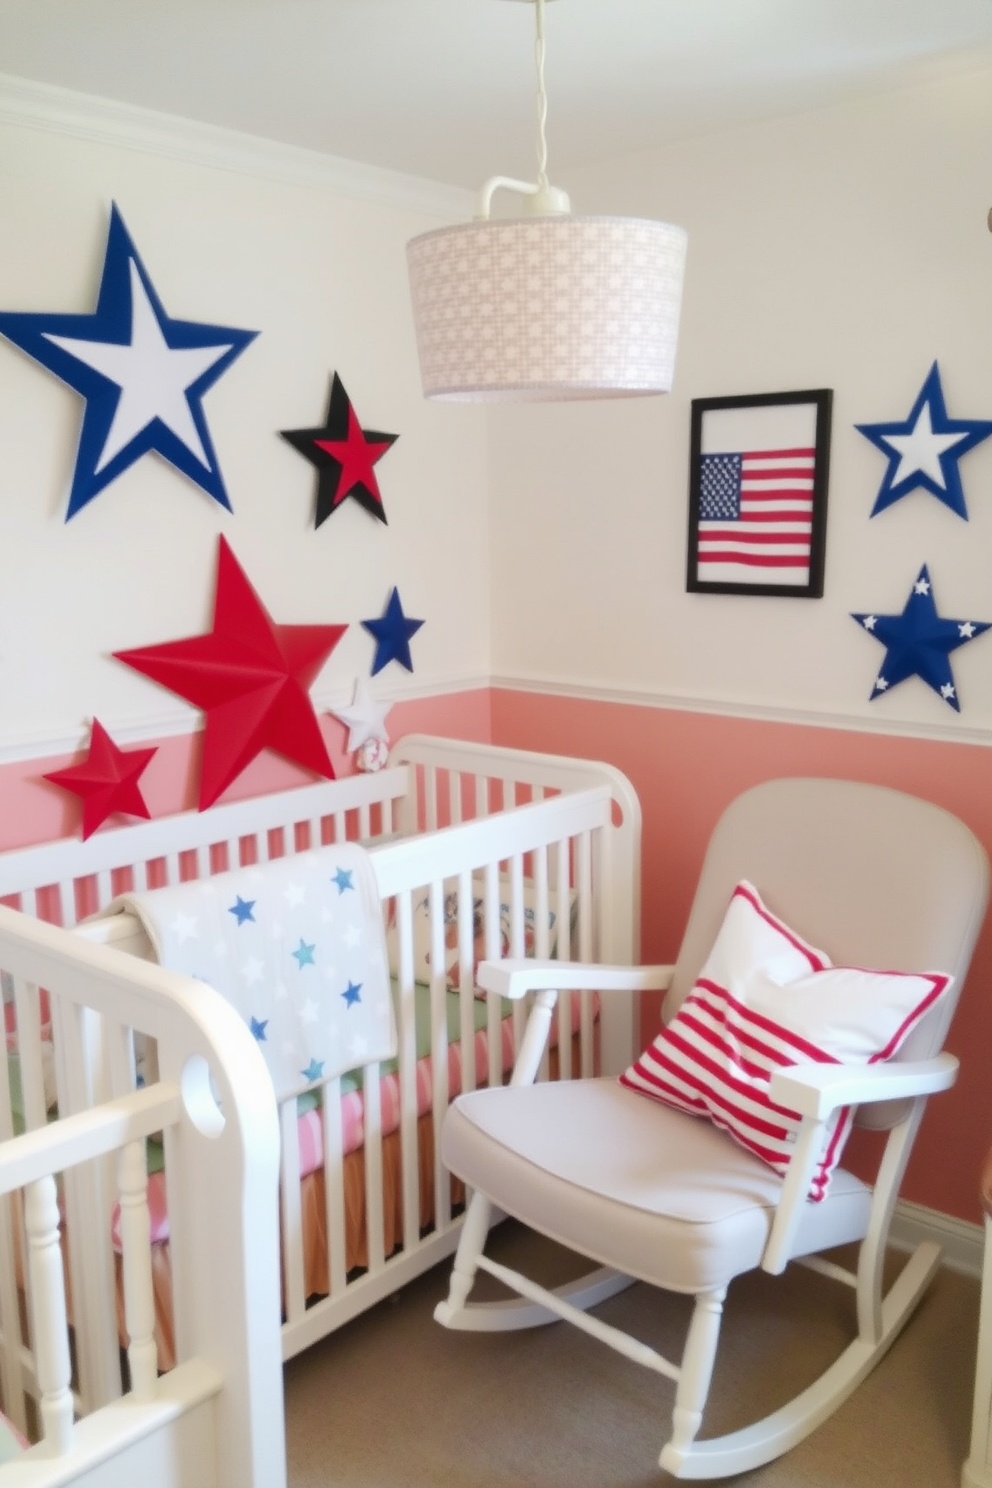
<point x="142" y="375"/>
<point x="918" y="642"/>
<point x="923" y="450"/>
<point x="392" y="632"/>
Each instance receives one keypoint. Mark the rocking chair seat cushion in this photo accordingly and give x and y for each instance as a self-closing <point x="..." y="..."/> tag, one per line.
<point x="655" y="1193"/>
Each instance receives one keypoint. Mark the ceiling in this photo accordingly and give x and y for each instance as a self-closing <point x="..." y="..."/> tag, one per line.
<point x="445" y="89"/>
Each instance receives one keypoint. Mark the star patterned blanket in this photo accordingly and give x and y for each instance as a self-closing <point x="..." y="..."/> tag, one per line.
<point x="297" y="946"/>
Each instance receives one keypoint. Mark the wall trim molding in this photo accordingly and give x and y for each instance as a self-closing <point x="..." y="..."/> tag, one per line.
<point x="963" y="1243"/>
<point x="104" y="121"/>
<point x="952" y="733"/>
<point x="180" y="720"/>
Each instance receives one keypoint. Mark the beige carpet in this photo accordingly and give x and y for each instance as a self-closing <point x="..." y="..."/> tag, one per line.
<point x="395" y="1401"/>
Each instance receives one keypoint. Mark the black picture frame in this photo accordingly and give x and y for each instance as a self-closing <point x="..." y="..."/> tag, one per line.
<point x="748" y="455"/>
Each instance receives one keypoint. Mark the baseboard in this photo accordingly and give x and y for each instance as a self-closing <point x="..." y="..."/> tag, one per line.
<point x="961" y="1242"/>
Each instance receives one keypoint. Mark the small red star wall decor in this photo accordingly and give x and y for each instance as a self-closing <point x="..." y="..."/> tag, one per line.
<point x="250" y="676"/>
<point x="106" y="781"/>
<point x="345" y="455"/>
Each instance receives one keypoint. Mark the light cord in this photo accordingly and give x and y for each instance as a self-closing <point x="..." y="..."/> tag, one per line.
<point x="542" y="99"/>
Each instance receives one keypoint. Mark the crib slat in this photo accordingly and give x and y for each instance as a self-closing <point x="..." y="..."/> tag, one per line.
<point x="68" y="912"/>
<point x="292" y="1222"/>
<point x="586" y="947"/>
<point x="407" y="1040"/>
<point x="51" y="1332"/>
<point x="375" y="1225"/>
<point x="494" y="950"/>
<point x="563" y="924"/>
<point x="455" y="796"/>
<point x="332" y="1130"/>
<point x="11" y="1366"/>
<point x="466" y="979"/>
<point x="136" y="1265"/>
<point x="84" y="1075"/>
<point x="439" y="1039"/>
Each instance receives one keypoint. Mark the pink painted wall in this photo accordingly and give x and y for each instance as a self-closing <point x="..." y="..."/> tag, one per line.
<point x="687" y="766"/>
<point x="33" y="810"/>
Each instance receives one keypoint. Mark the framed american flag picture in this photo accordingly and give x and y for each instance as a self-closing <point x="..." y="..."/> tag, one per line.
<point x="758" y="473"/>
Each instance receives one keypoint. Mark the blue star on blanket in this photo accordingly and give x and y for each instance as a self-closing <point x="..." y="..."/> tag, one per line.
<point x="307" y="970"/>
<point x="143" y="375"/>
<point x="392" y="633"/>
<point x="919" y="642"/>
<point x="923" y="450"/>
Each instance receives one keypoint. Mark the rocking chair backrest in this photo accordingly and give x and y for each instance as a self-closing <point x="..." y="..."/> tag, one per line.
<point x="872" y="876"/>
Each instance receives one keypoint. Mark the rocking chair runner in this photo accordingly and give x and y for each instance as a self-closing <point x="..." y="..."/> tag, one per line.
<point x="881" y="880"/>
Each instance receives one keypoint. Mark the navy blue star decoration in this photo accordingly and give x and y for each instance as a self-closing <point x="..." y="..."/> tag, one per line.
<point x="923" y="450"/>
<point x="142" y="374"/>
<point x="392" y="632"/>
<point x="918" y="642"/>
<point x="345" y="455"/>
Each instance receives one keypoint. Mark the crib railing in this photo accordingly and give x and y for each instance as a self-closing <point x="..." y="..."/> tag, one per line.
<point x="213" y="1106"/>
<point x="478" y="856"/>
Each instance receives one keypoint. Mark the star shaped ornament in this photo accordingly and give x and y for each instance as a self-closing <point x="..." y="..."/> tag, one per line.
<point x="250" y="676"/>
<point x="142" y="375"/>
<point x="345" y="455"/>
<point x="366" y="719"/>
<point x="106" y="781"/>
<point x="923" y="450"/>
<point x="392" y="632"/>
<point x="918" y="642"/>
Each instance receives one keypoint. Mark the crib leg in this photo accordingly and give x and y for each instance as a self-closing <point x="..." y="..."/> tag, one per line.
<point x="471" y="1243"/>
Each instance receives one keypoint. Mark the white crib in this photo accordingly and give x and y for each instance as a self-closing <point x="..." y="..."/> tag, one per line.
<point x="214" y="1420"/>
<point x="476" y="851"/>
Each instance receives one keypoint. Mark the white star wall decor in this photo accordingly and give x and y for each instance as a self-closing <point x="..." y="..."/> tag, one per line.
<point x="923" y="450"/>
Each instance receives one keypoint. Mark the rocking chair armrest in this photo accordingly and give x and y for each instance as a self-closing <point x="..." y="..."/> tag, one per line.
<point x="514" y="978"/>
<point x="817" y="1089"/>
<point x="814" y="1090"/>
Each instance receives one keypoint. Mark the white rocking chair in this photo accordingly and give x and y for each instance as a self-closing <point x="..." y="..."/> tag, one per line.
<point x="880" y="880"/>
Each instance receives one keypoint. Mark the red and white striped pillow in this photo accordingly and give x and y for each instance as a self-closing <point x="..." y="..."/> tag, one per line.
<point x="765" y="999"/>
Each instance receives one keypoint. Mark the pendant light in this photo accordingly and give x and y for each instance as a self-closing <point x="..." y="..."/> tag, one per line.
<point x="546" y="305"/>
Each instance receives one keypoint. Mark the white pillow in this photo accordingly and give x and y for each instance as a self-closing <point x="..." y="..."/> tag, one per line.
<point x="763" y="1000"/>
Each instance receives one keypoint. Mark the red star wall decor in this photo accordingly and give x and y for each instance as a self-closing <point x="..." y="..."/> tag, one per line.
<point x="250" y="676"/>
<point x="344" y="454"/>
<point x="106" y="781"/>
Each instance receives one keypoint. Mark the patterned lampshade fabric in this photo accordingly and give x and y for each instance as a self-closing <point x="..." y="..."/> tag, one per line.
<point x="547" y="307"/>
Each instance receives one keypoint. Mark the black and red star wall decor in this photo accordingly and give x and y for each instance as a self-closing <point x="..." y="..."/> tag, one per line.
<point x="345" y="455"/>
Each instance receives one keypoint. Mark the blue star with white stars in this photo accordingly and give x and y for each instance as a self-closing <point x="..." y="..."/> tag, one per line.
<point x="142" y="374"/>
<point x="258" y="1027"/>
<point x="923" y="450"/>
<point x="352" y="994"/>
<point x="304" y="953"/>
<point x="314" y="1070"/>
<point x="242" y="909"/>
<point x="918" y="642"/>
<point x="392" y="632"/>
<point x="343" y="879"/>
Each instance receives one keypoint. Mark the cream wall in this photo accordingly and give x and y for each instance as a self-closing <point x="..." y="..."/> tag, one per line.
<point x="846" y="248"/>
<point x="312" y="256"/>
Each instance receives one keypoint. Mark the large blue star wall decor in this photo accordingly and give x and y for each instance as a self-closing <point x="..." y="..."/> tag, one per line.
<point x="142" y="374"/>
<point x="392" y="632"/>
<point x="918" y="642"/>
<point x="923" y="450"/>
